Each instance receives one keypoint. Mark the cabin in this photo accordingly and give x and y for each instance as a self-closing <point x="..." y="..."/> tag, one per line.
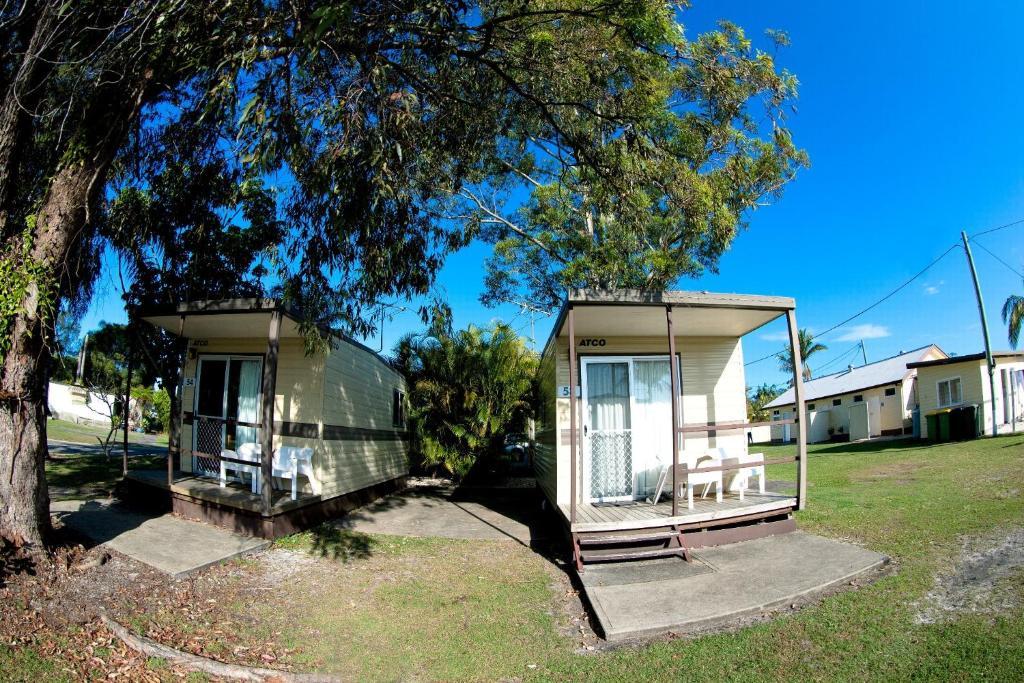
<point x="957" y="382"/>
<point x="641" y="442"/>
<point x="873" y="400"/>
<point x="273" y="439"/>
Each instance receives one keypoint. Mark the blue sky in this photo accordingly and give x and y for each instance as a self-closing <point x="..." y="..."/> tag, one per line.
<point x="913" y="116"/>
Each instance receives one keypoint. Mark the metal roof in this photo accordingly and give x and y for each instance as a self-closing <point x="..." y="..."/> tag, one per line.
<point x="952" y="360"/>
<point x="879" y="373"/>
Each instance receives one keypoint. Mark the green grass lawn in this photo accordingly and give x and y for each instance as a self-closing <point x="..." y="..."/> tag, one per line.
<point x="392" y="608"/>
<point x="61" y="430"/>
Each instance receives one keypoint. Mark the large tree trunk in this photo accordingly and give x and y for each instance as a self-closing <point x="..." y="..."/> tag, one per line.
<point x="61" y="229"/>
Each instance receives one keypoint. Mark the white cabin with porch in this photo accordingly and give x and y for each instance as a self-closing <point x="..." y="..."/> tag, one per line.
<point x="652" y="386"/>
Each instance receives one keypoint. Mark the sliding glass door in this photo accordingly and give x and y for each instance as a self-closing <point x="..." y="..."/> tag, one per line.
<point x="627" y="426"/>
<point x="227" y="402"/>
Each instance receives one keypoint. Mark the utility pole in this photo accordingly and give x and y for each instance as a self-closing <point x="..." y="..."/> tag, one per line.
<point x="863" y="352"/>
<point x="984" y="331"/>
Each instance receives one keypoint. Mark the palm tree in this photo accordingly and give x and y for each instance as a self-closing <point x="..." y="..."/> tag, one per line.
<point x="1013" y="316"/>
<point x="808" y="347"/>
<point x="757" y="398"/>
<point x="467" y="389"/>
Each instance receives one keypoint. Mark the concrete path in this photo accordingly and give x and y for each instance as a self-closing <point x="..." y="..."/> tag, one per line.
<point x="722" y="585"/>
<point x="491" y="514"/>
<point x="69" y="448"/>
<point x="168" y="543"/>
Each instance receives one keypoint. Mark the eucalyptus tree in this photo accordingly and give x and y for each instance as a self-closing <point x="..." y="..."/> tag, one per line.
<point x="187" y="227"/>
<point x="644" y="180"/>
<point x="385" y="130"/>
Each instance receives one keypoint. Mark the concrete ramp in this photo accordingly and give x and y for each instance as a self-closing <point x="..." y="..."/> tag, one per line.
<point x="168" y="543"/>
<point x="721" y="586"/>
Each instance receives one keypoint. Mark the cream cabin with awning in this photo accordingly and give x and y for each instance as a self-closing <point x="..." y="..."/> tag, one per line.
<point x="272" y="438"/>
<point x="642" y="396"/>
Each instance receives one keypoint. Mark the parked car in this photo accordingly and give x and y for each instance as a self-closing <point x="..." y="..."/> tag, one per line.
<point x="517" y="449"/>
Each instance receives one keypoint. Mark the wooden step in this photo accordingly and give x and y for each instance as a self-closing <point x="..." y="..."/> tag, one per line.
<point x="632" y="536"/>
<point x="619" y="554"/>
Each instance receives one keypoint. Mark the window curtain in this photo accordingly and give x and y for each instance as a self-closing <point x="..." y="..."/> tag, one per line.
<point x="248" y="401"/>
<point x="608" y="396"/>
<point x="652" y="420"/>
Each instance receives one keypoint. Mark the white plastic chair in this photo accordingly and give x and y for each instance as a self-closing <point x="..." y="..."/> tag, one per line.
<point x="694" y="477"/>
<point x="754" y="471"/>
<point x="245" y="452"/>
<point x="290" y="462"/>
<point x="739" y="479"/>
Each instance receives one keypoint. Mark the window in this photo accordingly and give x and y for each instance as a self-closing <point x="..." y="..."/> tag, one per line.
<point x="398" y="408"/>
<point x="859" y="398"/>
<point x="949" y="392"/>
<point x="774" y="412"/>
<point x="810" y="406"/>
<point x="835" y="402"/>
<point x="211" y="387"/>
<point x="891" y="391"/>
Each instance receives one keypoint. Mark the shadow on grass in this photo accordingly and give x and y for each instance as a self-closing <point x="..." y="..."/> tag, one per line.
<point x="872" y="446"/>
<point x="339" y="544"/>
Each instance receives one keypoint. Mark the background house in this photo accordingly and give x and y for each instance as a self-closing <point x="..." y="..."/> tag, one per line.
<point x="877" y="399"/>
<point x="963" y="380"/>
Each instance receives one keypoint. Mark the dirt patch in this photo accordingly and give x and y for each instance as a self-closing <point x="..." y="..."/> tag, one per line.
<point x="984" y="580"/>
<point x="899" y="472"/>
<point x="278" y="565"/>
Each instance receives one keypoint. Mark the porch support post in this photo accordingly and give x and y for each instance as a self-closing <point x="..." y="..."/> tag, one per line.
<point x="801" y="422"/>
<point x="267" y="423"/>
<point x="674" y="371"/>
<point x="572" y="416"/>
<point x="181" y="408"/>
<point x="126" y="412"/>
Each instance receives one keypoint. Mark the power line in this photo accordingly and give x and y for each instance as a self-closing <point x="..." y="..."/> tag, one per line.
<point x="890" y="294"/>
<point x="844" y="354"/>
<point x="997" y="228"/>
<point x="992" y="254"/>
<point x="875" y="304"/>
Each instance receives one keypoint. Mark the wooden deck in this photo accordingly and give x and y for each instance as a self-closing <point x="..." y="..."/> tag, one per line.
<point x="233" y="495"/>
<point x="643" y="515"/>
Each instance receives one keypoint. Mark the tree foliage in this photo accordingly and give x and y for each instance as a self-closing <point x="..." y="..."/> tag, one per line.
<point x="1013" y="316"/>
<point x="648" y="167"/>
<point x="467" y="389"/>
<point x="757" y="398"/>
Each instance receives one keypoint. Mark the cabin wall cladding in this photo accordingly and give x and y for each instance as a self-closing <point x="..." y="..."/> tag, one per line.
<point x="361" y="444"/>
<point x="340" y="405"/>
<point x="713" y="390"/>
<point x="546" y="432"/>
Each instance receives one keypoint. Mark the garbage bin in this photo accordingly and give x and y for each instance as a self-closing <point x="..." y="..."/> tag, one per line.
<point x="968" y="423"/>
<point x="939" y="425"/>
